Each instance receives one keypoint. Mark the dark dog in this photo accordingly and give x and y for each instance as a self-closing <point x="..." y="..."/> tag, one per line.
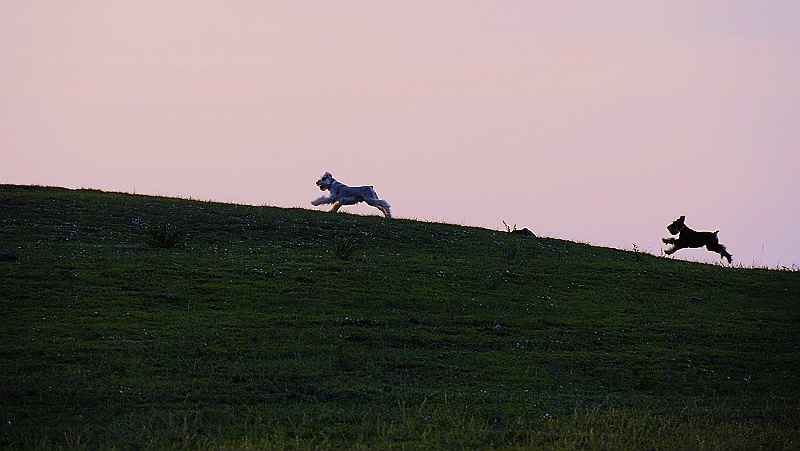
<point x="692" y="238"/>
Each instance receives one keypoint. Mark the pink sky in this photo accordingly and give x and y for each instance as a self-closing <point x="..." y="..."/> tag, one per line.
<point x="599" y="122"/>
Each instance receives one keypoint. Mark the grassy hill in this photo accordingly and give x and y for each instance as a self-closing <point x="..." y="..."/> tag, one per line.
<point x="145" y="322"/>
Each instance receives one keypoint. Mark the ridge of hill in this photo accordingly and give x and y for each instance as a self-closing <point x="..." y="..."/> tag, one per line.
<point x="135" y="321"/>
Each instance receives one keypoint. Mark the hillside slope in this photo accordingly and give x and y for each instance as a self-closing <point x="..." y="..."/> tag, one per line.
<point x="150" y="322"/>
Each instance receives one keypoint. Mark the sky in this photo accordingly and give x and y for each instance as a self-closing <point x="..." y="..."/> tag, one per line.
<point x="597" y="122"/>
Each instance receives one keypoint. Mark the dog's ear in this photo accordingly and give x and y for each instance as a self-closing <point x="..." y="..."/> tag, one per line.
<point x="682" y="218"/>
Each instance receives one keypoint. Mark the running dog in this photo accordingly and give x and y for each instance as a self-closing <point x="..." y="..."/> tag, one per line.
<point x="342" y="194"/>
<point x="692" y="238"/>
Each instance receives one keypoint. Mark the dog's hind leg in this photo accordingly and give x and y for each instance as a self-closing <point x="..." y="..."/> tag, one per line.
<point x="720" y="249"/>
<point x="381" y="205"/>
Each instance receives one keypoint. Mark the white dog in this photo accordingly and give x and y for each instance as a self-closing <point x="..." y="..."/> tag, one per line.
<point x="342" y="194"/>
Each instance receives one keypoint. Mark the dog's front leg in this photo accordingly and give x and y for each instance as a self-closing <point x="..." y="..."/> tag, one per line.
<point x="676" y="245"/>
<point x="336" y="206"/>
<point x="671" y="250"/>
<point x="322" y="200"/>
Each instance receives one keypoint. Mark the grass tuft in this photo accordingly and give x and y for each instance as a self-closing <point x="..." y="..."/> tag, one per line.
<point x="344" y="247"/>
<point x="164" y="235"/>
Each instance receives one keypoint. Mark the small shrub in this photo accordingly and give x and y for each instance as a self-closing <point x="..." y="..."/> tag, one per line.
<point x="164" y="235"/>
<point x="344" y="247"/>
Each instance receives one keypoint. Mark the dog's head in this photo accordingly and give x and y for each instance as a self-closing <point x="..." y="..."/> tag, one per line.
<point x="325" y="181"/>
<point x="676" y="226"/>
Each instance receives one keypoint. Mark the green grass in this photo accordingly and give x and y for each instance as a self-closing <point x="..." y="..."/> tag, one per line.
<point x="261" y="328"/>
